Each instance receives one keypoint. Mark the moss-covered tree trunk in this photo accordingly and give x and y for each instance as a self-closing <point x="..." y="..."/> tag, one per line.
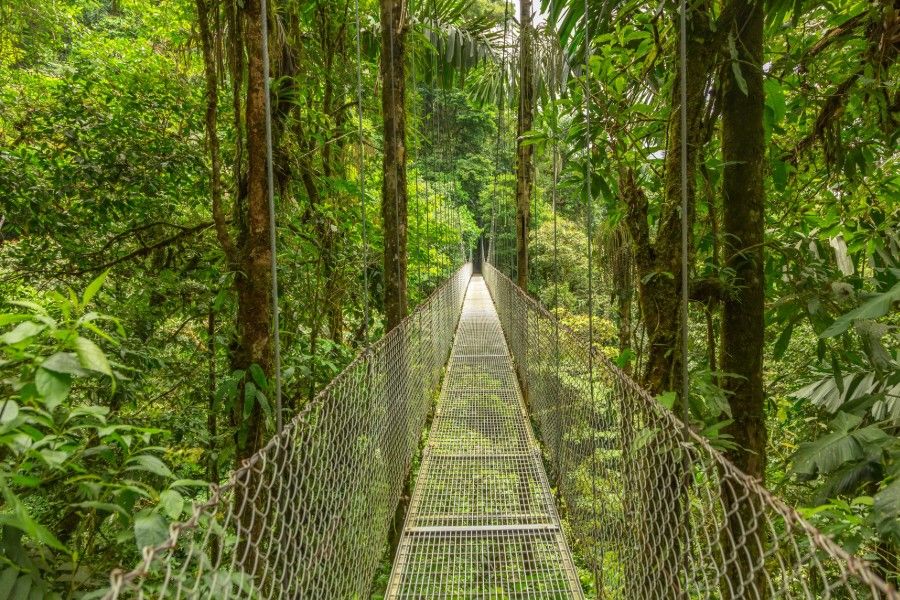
<point x="254" y="279"/>
<point x="524" y="151"/>
<point x="394" y="216"/>
<point x="743" y="325"/>
<point x="393" y="187"/>
<point x="659" y="263"/>
<point x="249" y="253"/>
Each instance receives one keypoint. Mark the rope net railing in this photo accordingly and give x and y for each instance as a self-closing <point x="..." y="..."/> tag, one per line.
<point x="653" y="510"/>
<point x="308" y="516"/>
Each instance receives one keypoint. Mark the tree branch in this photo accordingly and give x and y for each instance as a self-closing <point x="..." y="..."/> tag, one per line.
<point x="140" y="252"/>
<point x="708" y="291"/>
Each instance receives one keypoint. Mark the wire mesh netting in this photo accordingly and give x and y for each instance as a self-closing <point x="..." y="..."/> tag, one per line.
<point x="309" y="514"/>
<point x="482" y="521"/>
<point x="654" y="510"/>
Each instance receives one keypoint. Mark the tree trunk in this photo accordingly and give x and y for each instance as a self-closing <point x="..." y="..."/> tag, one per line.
<point x="393" y="213"/>
<point x="250" y="257"/>
<point x="659" y="264"/>
<point x="743" y="152"/>
<point x="393" y="187"/>
<point x="524" y="152"/>
<point x="253" y="280"/>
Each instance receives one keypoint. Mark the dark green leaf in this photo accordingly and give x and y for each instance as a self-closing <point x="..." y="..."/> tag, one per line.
<point x="150" y="529"/>
<point x="91" y="356"/>
<point x="52" y="386"/>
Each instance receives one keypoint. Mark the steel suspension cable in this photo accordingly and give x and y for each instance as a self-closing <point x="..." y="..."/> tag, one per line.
<point x="416" y="188"/>
<point x="553" y="198"/>
<point x="590" y="255"/>
<point x="444" y="161"/>
<point x="492" y="255"/>
<point x="502" y="114"/>
<point x="273" y="242"/>
<point x="434" y="129"/>
<point x="454" y="208"/>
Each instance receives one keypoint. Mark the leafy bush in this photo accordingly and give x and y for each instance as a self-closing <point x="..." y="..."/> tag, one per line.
<point x="82" y="489"/>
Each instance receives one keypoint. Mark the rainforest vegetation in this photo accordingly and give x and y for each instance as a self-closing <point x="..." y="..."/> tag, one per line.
<point x="136" y="339"/>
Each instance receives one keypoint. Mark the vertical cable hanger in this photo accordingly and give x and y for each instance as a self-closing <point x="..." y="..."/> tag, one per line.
<point x="588" y="173"/>
<point x="553" y="198"/>
<point x="362" y="178"/>
<point x="416" y="188"/>
<point x="437" y="150"/>
<point x="504" y="65"/>
<point x="683" y="305"/>
<point x="492" y="254"/>
<point x="273" y="243"/>
<point x="454" y="207"/>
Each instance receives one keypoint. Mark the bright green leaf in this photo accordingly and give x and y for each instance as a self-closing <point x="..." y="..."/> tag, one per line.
<point x="64" y="362"/>
<point x="53" y="387"/>
<point x="874" y="308"/>
<point x="21" y="332"/>
<point x="150" y="464"/>
<point x="93" y="287"/>
<point x="91" y="356"/>
<point x="172" y="503"/>
<point x="9" y="410"/>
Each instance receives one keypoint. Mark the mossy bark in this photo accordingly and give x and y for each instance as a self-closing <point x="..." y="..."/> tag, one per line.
<point x="659" y="264"/>
<point x="524" y="151"/>
<point x="743" y="324"/>
<point x="393" y="187"/>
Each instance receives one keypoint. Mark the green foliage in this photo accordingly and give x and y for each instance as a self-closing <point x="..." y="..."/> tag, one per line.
<point x="107" y="425"/>
<point x="77" y="480"/>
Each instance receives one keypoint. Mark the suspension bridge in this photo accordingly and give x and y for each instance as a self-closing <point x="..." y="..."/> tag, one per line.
<point x="547" y="473"/>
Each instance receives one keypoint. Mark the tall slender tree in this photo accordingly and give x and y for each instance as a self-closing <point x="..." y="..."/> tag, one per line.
<point x="659" y="261"/>
<point x="743" y="324"/>
<point x="524" y="151"/>
<point x="393" y="186"/>
<point x="248" y="254"/>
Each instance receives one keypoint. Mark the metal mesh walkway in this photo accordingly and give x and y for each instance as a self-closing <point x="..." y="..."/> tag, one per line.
<point x="482" y="521"/>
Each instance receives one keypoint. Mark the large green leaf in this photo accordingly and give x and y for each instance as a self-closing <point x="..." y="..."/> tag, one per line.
<point x="149" y="464"/>
<point x="52" y="386"/>
<point x="21" y="332"/>
<point x="91" y="356"/>
<point x="9" y="410"/>
<point x="887" y="510"/>
<point x="64" y="362"/>
<point x="150" y="529"/>
<point x="93" y="287"/>
<point x="19" y="518"/>
<point x="172" y="502"/>
<point x="832" y="393"/>
<point x="844" y="444"/>
<point x="873" y="308"/>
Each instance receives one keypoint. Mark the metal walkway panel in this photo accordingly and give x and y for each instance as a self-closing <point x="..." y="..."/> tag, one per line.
<point x="482" y="521"/>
